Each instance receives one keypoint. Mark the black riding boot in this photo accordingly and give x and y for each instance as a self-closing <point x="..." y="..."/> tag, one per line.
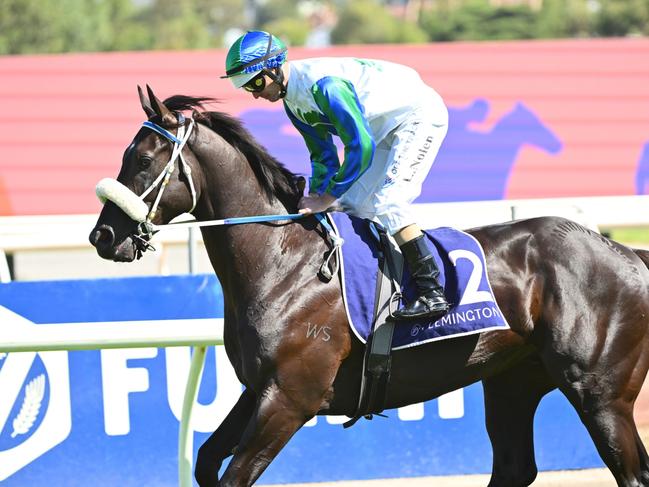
<point x="430" y="303"/>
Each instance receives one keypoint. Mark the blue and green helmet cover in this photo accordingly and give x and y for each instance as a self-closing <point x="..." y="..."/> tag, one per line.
<point x="240" y="63"/>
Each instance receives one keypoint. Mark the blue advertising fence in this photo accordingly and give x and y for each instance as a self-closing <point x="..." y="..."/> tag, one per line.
<point x="111" y="417"/>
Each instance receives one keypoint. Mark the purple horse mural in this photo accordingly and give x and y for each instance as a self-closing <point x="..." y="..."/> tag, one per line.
<point x="642" y="174"/>
<point x="471" y="165"/>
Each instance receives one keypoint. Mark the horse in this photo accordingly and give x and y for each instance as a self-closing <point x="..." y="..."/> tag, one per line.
<point x="577" y="304"/>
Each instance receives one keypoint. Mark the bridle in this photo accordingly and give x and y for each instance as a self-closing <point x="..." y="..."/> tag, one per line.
<point x="134" y="205"/>
<point x="179" y="140"/>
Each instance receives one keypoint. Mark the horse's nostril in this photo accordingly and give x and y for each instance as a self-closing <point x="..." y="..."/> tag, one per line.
<point x="102" y="236"/>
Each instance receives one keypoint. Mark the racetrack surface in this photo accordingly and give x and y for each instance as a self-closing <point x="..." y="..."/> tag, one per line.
<point x="597" y="477"/>
<point x="600" y="477"/>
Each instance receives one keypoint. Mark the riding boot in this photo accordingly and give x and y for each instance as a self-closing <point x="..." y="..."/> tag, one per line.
<point x="430" y="303"/>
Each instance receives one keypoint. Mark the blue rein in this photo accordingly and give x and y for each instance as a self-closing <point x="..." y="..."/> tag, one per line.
<point x="262" y="218"/>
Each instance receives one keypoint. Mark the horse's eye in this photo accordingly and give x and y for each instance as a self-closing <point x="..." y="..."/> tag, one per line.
<point x="145" y="162"/>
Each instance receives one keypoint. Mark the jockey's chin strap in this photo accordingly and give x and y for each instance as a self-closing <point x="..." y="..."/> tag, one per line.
<point x="277" y="75"/>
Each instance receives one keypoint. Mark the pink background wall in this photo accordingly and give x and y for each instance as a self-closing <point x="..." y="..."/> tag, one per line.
<point x="68" y="118"/>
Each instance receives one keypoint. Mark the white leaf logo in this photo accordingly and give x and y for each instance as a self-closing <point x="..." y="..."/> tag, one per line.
<point x="34" y="392"/>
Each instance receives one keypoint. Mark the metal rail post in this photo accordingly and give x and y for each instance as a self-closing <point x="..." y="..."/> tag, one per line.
<point x="186" y="435"/>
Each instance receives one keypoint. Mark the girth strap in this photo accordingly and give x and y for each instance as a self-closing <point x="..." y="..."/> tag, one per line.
<point x="377" y="360"/>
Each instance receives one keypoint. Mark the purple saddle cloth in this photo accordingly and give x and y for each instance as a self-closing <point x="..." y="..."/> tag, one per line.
<point x="463" y="274"/>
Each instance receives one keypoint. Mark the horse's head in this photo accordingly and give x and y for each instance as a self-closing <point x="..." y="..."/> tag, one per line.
<point x="158" y="180"/>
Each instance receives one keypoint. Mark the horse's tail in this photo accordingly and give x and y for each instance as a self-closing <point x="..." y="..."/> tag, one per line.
<point x="644" y="256"/>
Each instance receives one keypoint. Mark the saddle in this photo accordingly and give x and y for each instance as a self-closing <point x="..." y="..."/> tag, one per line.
<point x="370" y="261"/>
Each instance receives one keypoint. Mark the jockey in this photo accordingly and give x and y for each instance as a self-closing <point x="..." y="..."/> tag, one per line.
<point x="391" y="124"/>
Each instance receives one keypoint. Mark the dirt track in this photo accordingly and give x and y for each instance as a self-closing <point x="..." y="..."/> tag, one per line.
<point x="599" y="477"/>
<point x="573" y="478"/>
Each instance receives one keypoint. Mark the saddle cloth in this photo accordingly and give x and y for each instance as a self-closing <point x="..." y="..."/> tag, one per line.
<point x="463" y="274"/>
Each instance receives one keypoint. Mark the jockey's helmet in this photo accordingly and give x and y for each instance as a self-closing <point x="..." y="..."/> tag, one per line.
<point x="252" y="53"/>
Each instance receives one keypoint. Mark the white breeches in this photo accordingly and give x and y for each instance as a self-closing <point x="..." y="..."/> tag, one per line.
<point x="401" y="163"/>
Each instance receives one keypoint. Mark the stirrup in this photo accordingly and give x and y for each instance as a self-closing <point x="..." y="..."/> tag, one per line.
<point x="430" y="310"/>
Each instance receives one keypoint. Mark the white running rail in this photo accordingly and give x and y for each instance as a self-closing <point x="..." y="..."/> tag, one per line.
<point x="65" y="232"/>
<point x="71" y="231"/>
<point x="199" y="333"/>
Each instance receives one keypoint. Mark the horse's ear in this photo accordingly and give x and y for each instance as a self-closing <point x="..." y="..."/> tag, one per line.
<point x="196" y="115"/>
<point x="301" y="184"/>
<point x="146" y="105"/>
<point x="159" y="108"/>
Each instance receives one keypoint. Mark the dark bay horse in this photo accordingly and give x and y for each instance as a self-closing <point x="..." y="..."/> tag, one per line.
<point x="578" y="305"/>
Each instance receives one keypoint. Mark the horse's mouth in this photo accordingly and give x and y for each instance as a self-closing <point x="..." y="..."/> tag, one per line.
<point x="126" y="251"/>
<point x="130" y="248"/>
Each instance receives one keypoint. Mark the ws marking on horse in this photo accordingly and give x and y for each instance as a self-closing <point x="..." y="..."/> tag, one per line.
<point x="578" y="315"/>
<point x="313" y="331"/>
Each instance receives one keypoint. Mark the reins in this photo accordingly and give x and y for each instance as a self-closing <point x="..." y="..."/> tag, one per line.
<point x="229" y="221"/>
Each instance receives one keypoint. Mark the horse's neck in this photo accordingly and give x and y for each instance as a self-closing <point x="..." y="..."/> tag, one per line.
<point x="248" y="258"/>
<point x="229" y="187"/>
<point x="242" y="255"/>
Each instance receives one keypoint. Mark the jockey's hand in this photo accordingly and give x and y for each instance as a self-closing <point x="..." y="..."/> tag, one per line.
<point x="315" y="203"/>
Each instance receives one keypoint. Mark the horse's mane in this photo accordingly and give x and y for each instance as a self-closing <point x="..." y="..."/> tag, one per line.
<point x="274" y="178"/>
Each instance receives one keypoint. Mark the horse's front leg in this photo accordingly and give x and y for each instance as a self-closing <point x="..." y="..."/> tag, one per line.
<point x="297" y="390"/>
<point x="274" y="421"/>
<point x="222" y="442"/>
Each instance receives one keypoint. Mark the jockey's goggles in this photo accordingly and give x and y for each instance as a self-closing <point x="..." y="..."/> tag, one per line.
<point x="256" y="84"/>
